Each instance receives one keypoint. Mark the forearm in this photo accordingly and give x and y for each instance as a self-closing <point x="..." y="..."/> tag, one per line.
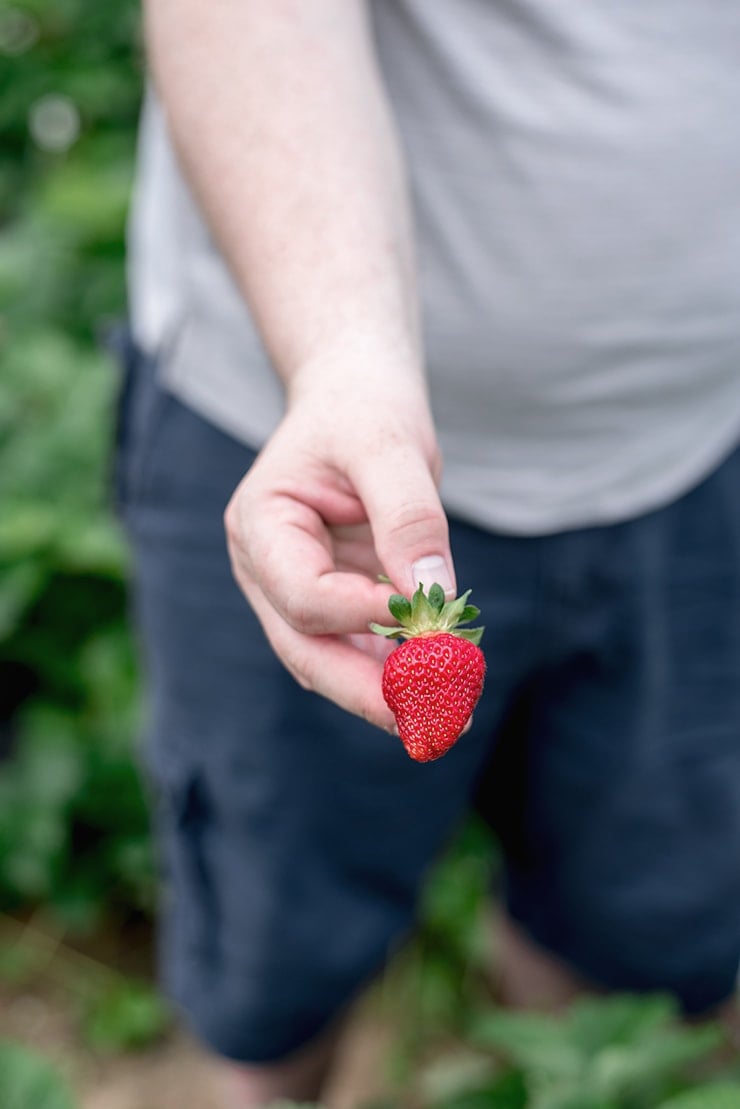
<point x="280" y="119"/>
<point x="281" y="123"/>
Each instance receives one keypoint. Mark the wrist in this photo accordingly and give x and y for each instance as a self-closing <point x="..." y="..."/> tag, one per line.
<point x="360" y="366"/>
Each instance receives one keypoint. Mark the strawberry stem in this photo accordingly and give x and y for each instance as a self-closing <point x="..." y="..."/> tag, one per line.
<point x="429" y="614"/>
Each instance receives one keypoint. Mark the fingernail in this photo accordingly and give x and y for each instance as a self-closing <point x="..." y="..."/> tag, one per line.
<point x="433" y="568"/>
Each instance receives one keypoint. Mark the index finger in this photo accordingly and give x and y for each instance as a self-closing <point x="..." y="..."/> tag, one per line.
<point x="329" y="666"/>
<point x="288" y="554"/>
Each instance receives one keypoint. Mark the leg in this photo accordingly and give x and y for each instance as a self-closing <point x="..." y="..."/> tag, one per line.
<point x="528" y="976"/>
<point x="293" y="838"/>
<point x="623" y="844"/>
<point x="301" y="1077"/>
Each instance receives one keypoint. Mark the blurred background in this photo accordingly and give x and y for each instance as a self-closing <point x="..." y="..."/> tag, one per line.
<point x="81" y="1022"/>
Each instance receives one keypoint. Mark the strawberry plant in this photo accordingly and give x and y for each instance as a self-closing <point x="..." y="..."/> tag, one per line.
<point x="28" y="1081"/>
<point x="73" y="826"/>
<point x="619" y="1052"/>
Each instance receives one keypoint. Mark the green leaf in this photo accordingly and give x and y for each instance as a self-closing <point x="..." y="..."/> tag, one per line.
<point x="20" y="585"/>
<point x="51" y="761"/>
<point x="27" y="1081"/>
<point x="620" y="1068"/>
<point x="596" y="1023"/>
<point x="473" y="635"/>
<point x="446" y="1078"/>
<point x="534" y="1042"/>
<point x="26" y="527"/>
<point x="436" y="597"/>
<point x="126" y="1016"/>
<point x="31" y="860"/>
<point x="549" y="1097"/>
<point x="89" y="206"/>
<point x="422" y="613"/>
<point x="386" y="630"/>
<point x="722" y="1095"/>
<point x="507" y="1091"/>
<point x="470" y="612"/>
<point x="400" y="607"/>
<point x="454" y="609"/>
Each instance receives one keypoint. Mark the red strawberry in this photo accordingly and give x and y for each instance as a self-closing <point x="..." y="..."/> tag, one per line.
<point x="433" y="681"/>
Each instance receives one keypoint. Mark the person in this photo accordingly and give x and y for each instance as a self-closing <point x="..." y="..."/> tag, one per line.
<point x="452" y="277"/>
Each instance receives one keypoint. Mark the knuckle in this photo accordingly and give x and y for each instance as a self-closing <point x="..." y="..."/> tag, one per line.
<point x="416" y="517"/>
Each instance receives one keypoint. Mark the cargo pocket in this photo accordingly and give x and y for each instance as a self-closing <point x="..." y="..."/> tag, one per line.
<point x="183" y="818"/>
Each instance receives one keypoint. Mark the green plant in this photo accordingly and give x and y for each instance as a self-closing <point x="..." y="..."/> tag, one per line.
<point x="620" y="1052"/>
<point x="114" y="1011"/>
<point x="719" y="1095"/>
<point x="28" y="1081"/>
<point x="442" y="975"/>
<point x="73" y="826"/>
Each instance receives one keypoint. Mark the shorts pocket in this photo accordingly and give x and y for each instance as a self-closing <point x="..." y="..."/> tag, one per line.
<point x="183" y="817"/>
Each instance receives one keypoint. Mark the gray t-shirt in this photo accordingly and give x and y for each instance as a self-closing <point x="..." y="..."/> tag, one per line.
<point x="575" y="170"/>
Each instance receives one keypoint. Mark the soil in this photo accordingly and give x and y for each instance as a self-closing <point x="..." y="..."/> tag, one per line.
<point x="175" y="1073"/>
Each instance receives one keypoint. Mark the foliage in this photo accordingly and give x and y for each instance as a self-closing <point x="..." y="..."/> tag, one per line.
<point x="28" y="1082"/>
<point x="619" y="1052"/>
<point x="438" y="978"/>
<point x="114" y="1011"/>
<point x="719" y="1095"/>
<point x="456" y="1048"/>
<point x="73" y="829"/>
<point x="126" y="1015"/>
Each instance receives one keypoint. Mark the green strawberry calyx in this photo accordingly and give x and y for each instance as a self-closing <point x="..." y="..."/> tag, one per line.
<point x="429" y="614"/>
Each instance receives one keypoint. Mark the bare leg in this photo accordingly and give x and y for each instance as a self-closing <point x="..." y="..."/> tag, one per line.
<point x="528" y="976"/>
<point x="729" y="1017"/>
<point x="299" y="1077"/>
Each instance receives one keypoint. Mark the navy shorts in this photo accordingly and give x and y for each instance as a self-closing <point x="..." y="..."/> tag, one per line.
<point x="605" y="753"/>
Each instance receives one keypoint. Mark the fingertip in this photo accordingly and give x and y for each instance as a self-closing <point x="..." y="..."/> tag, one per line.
<point x="433" y="569"/>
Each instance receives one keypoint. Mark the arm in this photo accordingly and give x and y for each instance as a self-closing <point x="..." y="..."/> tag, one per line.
<point x="279" y="116"/>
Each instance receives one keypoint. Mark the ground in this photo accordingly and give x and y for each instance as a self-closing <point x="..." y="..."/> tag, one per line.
<point x="43" y="1012"/>
<point x="176" y="1073"/>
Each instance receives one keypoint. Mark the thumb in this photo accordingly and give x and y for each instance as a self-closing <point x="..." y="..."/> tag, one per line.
<point x="407" y="520"/>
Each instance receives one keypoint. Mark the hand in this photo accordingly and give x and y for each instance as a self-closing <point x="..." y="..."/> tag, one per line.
<point x="342" y="492"/>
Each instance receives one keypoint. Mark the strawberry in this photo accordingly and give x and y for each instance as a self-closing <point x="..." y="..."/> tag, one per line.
<point x="433" y="681"/>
